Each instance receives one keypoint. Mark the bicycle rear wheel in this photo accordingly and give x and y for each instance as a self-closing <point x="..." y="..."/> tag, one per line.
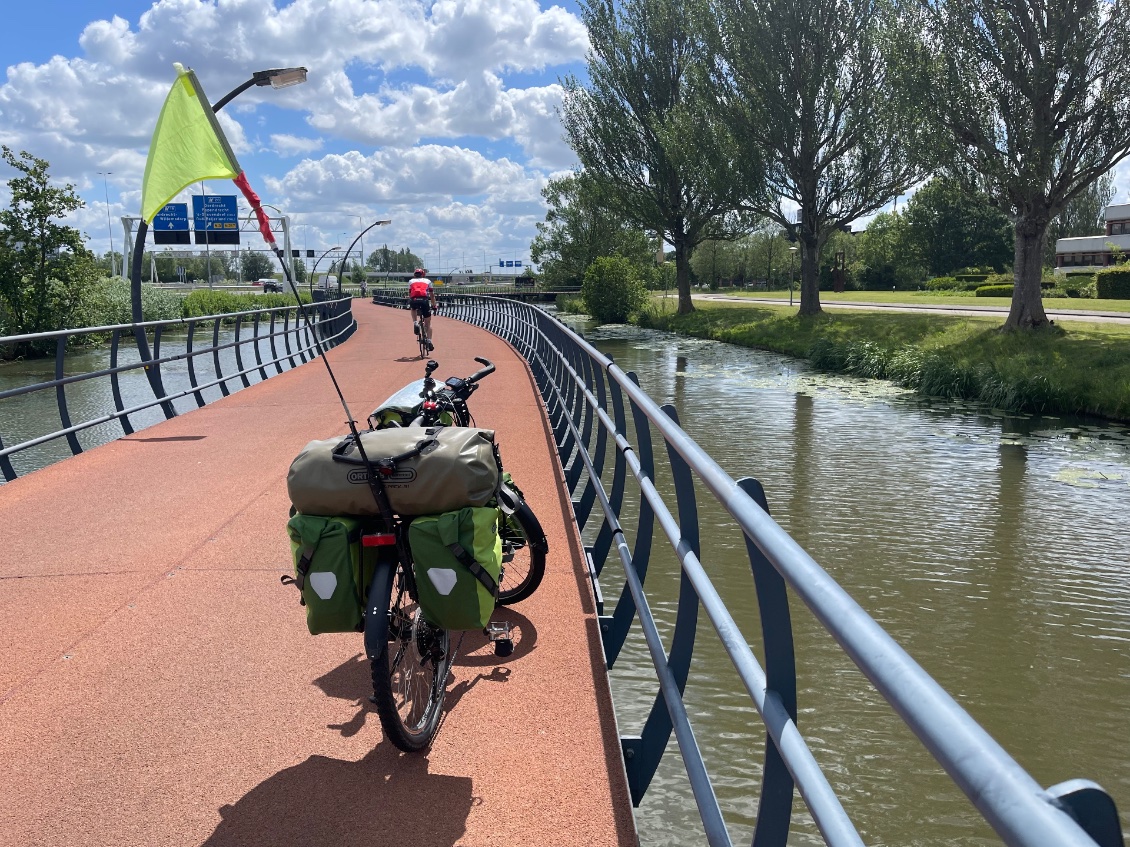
<point x="523" y="555"/>
<point x="410" y="660"/>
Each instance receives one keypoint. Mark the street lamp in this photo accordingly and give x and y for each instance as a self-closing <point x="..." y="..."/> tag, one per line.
<point x="109" y="226"/>
<point x="315" y="268"/>
<point x="792" y="272"/>
<point x="274" y="77"/>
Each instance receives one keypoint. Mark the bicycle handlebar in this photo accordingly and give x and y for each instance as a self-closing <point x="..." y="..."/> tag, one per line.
<point x="477" y="375"/>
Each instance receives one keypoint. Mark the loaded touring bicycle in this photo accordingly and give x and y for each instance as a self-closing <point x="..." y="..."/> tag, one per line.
<point x="407" y="532"/>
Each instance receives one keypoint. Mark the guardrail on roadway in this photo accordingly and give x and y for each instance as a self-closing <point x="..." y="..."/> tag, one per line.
<point x="284" y="342"/>
<point x="589" y="401"/>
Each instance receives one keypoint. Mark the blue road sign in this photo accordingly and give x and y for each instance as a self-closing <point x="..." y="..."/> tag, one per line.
<point x="509" y="263"/>
<point x="215" y="212"/>
<point x="517" y="263"/>
<point x="172" y="216"/>
<point x="215" y="219"/>
<point x="170" y="224"/>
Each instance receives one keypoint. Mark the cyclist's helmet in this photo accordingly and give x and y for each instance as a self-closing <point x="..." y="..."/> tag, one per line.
<point x="419" y="272"/>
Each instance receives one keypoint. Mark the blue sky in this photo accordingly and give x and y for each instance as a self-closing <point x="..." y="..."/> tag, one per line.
<point x="440" y="115"/>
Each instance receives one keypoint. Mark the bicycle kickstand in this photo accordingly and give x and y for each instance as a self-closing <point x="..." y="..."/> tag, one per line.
<point x="499" y="633"/>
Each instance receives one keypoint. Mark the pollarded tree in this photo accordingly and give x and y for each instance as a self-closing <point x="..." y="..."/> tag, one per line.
<point x="1035" y="98"/>
<point x="816" y="89"/>
<point x="644" y="127"/>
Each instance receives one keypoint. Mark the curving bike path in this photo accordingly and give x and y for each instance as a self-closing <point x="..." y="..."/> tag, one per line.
<point x="158" y="685"/>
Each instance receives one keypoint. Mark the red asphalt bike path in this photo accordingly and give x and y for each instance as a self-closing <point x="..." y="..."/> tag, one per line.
<point x="158" y="685"/>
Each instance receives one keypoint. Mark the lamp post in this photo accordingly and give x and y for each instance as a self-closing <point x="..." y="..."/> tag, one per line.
<point x="792" y="272"/>
<point x="109" y="226"/>
<point x="314" y="270"/>
<point x="361" y="223"/>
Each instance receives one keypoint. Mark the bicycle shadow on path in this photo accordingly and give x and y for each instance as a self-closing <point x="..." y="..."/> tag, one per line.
<point x="351" y="680"/>
<point x="326" y="802"/>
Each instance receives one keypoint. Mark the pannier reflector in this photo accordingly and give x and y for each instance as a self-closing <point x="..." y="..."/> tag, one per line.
<point x="383" y="539"/>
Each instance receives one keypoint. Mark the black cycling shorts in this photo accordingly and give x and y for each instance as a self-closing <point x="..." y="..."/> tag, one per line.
<point x="422" y="306"/>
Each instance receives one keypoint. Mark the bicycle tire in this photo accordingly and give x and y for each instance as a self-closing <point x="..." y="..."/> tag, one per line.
<point x="410" y="660"/>
<point x="524" y="550"/>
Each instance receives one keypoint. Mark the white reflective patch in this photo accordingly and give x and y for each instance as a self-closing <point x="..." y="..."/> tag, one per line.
<point x="443" y="579"/>
<point x="324" y="584"/>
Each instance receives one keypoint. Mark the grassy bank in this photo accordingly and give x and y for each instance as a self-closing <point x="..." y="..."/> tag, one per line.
<point x="931" y="298"/>
<point x="1081" y="369"/>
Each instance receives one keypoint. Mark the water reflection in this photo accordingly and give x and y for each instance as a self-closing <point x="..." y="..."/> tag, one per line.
<point x="991" y="546"/>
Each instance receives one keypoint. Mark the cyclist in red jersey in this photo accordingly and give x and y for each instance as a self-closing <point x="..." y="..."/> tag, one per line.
<point x="422" y="300"/>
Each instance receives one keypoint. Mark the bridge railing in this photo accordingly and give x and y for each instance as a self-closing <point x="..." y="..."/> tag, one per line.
<point x="601" y="417"/>
<point x="274" y="339"/>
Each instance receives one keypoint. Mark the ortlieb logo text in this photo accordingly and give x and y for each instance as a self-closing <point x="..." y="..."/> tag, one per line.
<point x="400" y="476"/>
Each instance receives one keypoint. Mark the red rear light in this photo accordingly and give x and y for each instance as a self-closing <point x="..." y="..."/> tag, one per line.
<point x="383" y="539"/>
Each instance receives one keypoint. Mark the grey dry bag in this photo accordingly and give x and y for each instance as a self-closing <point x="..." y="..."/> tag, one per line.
<point x="424" y="471"/>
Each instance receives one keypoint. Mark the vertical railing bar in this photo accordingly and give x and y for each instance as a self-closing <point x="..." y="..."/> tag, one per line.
<point x="602" y="545"/>
<point x="191" y="359"/>
<point x="625" y="611"/>
<point x="657" y="730"/>
<point x="116" y="386"/>
<point x="61" y="394"/>
<point x="216" y="357"/>
<point x="239" y="353"/>
<point x="258" y="352"/>
<point x="775" y="806"/>
<point x="276" y="360"/>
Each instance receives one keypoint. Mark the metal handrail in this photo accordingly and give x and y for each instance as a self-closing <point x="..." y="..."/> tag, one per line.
<point x="583" y="389"/>
<point x="333" y="324"/>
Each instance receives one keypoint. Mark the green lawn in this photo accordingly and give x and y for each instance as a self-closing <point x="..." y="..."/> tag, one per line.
<point x="928" y="298"/>
<point x="1081" y="368"/>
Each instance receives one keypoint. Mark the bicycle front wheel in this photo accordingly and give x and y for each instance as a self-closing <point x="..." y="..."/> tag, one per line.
<point x="410" y="660"/>
<point x="523" y="555"/>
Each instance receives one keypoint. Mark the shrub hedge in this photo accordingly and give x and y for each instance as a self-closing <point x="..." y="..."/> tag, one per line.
<point x="994" y="291"/>
<point x="1113" y="283"/>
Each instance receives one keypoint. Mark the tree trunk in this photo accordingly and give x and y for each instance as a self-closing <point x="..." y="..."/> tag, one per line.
<point x="683" y="277"/>
<point x="1027" y="310"/>
<point x="810" y="277"/>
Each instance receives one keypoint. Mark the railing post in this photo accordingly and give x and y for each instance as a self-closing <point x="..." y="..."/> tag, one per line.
<point x="115" y="384"/>
<point x="216" y="357"/>
<point x="615" y="629"/>
<point x="190" y="358"/>
<point x="258" y="352"/>
<point x="61" y="395"/>
<point x="775" y="806"/>
<point x="239" y="353"/>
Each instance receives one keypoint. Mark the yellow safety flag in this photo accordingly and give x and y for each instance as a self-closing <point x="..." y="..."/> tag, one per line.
<point x="188" y="146"/>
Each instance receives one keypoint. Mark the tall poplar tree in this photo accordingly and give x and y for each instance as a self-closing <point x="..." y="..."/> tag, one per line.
<point x="1035" y="99"/>
<point x="644" y="127"/>
<point x="816" y="88"/>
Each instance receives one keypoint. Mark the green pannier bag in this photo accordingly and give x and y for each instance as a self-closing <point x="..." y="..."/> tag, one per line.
<point x="457" y="560"/>
<point x="331" y="571"/>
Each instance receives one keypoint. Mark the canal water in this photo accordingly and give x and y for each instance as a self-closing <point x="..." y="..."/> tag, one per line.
<point x="993" y="547"/>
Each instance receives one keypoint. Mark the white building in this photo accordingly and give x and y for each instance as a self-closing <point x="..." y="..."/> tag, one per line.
<point x="1091" y="252"/>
